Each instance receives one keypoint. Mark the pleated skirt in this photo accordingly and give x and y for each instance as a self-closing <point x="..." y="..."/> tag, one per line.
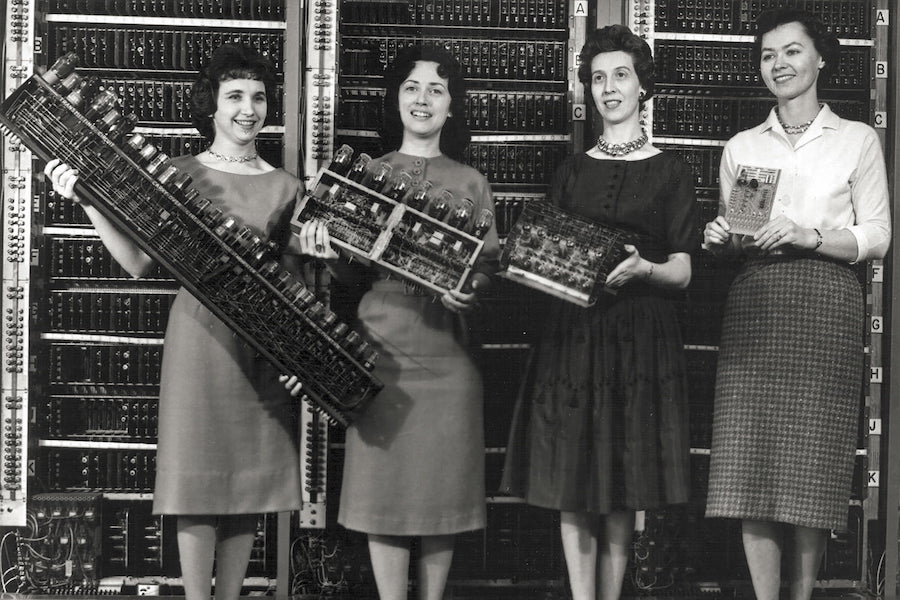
<point x="601" y="423"/>
<point x="788" y="394"/>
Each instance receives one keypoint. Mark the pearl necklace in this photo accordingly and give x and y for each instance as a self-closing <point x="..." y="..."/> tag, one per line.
<point x="234" y="159"/>
<point x="623" y="148"/>
<point x="795" y="129"/>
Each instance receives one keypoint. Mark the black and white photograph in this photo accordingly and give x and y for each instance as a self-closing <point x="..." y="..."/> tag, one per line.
<point x="449" y="299"/>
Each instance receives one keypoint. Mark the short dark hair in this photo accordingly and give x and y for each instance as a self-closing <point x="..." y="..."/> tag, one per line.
<point x="228" y="61"/>
<point x="611" y="39"/>
<point x="826" y="43"/>
<point x="455" y="135"/>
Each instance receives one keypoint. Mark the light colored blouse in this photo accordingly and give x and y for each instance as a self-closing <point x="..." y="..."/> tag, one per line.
<point x="833" y="178"/>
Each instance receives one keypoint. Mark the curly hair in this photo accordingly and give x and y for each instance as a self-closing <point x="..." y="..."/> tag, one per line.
<point x="827" y="44"/>
<point x="455" y="134"/>
<point x="617" y="38"/>
<point x="228" y="61"/>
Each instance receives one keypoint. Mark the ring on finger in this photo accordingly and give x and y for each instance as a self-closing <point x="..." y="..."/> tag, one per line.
<point x="320" y="248"/>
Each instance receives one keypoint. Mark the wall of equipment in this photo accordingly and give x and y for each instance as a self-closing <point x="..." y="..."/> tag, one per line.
<point x="82" y="341"/>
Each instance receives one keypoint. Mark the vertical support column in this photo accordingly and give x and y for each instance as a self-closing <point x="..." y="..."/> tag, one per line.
<point x="321" y="84"/>
<point x="293" y="153"/>
<point x="888" y="49"/>
<point x="293" y="87"/>
<point x="319" y="105"/>
<point x="16" y="256"/>
<point x="639" y="15"/>
<point x="875" y="398"/>
<point x="578" y="25"/>
<point x="611" y="12"/>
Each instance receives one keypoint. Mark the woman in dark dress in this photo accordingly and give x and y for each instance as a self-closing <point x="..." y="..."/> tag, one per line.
<point x="414" y="464"/>
<point x="227" y="448"/>
<point x="601" y="427"/>
<point x="791" y="360"/>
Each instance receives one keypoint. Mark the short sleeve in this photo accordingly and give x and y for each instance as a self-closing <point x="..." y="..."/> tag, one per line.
<point x="557" y="192"/>
<point x="682" y="216"/>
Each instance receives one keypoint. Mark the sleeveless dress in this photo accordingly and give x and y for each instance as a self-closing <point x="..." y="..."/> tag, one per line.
<point x="227" y="435"/>
<point x="601" y="422"/>
<point x="414" y="461"/>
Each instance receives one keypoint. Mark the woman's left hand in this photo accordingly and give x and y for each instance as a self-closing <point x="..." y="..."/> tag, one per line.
<point x="459" y="302"/>
<point x="628" y="269"/>
<point x="781" y="231"/>
<point x="315" y="241"/>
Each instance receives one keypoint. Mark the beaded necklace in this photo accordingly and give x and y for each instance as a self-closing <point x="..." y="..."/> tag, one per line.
<point x="623" y="148"/>
<point x="795" y="129"/>
<point x="233" y="159"/>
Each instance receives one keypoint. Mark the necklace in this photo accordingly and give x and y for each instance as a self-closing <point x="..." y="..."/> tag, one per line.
<point x="623" y="148"/>
<point x="794" y="129"/>
<point x="234" y="159"/>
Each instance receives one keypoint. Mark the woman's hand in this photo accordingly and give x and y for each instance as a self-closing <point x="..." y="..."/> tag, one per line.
<point x="459" y="302"/>
<point x="632" y="267"/>
<point x="291" y="384"/>
<point x="63" y="178"/>
<point x="716" y="233"/>
<point x="780" y="232"/>
<point x="463" y="302"/>
<point x="315" y="241"/>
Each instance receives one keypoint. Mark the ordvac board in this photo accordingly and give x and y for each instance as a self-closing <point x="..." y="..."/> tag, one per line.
<point x="562" y="254"/>
<point x="429" y="239"/>
<point x="224" y="264"/>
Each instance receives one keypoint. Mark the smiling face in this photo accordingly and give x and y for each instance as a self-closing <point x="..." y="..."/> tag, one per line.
<point x="615" y="86"/>
<point x="424" y="101"/>
<point x="789" y="62"/>
<point x="241" y="108"/>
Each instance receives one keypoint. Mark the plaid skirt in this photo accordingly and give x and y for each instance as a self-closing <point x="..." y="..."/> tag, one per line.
<point x="788" y="394"/>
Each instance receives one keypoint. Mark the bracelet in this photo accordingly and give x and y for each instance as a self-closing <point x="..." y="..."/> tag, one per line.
<point x="818" y="239"/>
<point x="650" y="272"/>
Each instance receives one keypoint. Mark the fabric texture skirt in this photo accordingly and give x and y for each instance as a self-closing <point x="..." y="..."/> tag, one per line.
<point x="601" y="423"/>
<point x="788" y="394"/>
<point x="227" y="431"/>
<point x="414" y="462"/>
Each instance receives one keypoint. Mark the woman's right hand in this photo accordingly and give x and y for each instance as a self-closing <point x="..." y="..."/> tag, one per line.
<point x="63" y="178"/>
<point x="291" y="384"/>
<point x="315" y="241"/>
<point x="716" y="233"/>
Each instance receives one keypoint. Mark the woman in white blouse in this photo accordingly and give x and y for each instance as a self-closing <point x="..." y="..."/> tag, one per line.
<point x="790" y="368"/>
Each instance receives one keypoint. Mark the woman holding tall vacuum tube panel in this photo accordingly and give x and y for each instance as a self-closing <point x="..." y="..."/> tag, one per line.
<point x="600" y="429"/>
<point x="227" y="447"/>
<point x="414" y="463"/>
<point x="790" y="369"/>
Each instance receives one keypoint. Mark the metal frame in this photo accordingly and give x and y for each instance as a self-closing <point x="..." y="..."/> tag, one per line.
<point x="890" y="479"/>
